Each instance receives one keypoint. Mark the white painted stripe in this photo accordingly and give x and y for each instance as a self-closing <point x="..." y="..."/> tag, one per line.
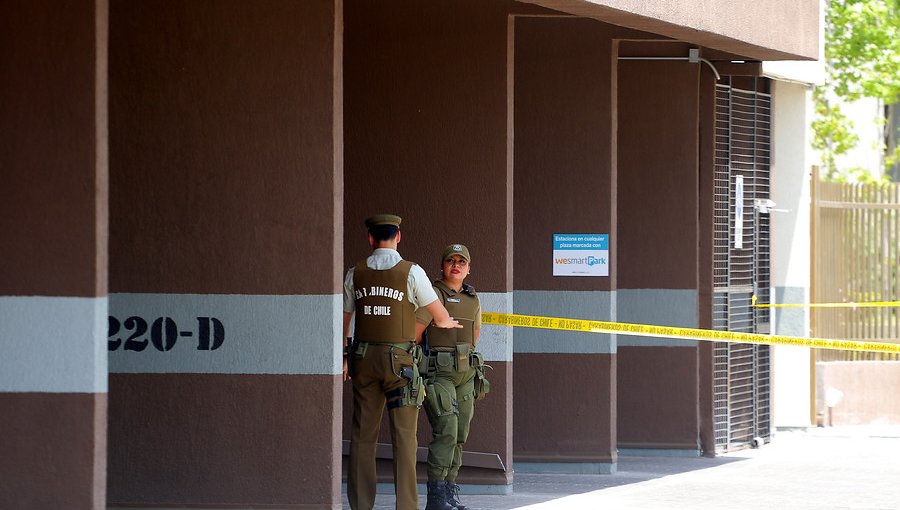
<point x="53" y="344"/>
<point x="262" y="334"/>
<point x="593" y="305"/>
<point x="659" y="307"/>
<point x="496" y="342"/>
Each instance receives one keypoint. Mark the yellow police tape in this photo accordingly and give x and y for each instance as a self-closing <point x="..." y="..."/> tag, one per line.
<point x="623" y="328"/>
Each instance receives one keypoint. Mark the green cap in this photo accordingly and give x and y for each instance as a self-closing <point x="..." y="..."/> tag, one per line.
<point x="456" y="249"/>
<point x="383" y="219"/>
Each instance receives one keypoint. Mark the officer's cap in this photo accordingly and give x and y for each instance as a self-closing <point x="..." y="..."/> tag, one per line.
<point x="456" y="249"/>
<point x="382" y="219"/>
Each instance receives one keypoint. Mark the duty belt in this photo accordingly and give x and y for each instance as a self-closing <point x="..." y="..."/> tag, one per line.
<point x="399" y="345"/>
<point x="433" y="349"/>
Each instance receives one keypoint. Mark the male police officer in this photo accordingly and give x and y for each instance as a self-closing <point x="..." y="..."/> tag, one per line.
<point x="455" y="377"/>
<point x="384" y="292"/>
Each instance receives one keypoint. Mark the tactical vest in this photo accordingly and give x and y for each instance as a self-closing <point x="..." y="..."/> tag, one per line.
<point x="384" y="312"/>
<point x="462" y="306"/>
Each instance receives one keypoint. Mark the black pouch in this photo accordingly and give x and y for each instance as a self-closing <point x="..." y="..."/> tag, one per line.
<point x="482" y="385"/>
<point x="355" y="350"/>
<point x="445" y="362"/>
<point x="462" y="357"/>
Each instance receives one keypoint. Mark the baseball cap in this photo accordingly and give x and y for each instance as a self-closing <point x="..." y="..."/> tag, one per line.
<point x="456" y="249"/>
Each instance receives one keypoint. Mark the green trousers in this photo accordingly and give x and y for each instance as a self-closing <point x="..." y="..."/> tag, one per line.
<point x="450" y="405"/>
<point x="374" y="374"/>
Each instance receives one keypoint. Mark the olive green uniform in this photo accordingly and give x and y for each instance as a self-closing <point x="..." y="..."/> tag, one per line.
<point x="454" y="368"/>
<point x="383" y="293"/>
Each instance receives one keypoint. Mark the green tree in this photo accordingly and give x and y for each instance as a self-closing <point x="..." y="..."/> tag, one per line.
<point x="862" y="59"/>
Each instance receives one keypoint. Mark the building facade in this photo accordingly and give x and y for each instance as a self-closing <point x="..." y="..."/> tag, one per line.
<point x="184" y="185"/>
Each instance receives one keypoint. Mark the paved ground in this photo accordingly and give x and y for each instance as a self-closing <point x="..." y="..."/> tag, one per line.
<point x="834" y="468"/>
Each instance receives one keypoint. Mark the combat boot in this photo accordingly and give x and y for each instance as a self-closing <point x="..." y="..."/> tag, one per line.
<point x="454" y="496"/>
<point x="438" y="495"/>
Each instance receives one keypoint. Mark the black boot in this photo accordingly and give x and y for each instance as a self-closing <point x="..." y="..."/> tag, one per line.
<point x="438" y="495"/>
<point x="454" y="496"/>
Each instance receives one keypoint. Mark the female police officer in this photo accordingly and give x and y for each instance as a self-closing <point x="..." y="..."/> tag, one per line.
<point x="454" y="378"/>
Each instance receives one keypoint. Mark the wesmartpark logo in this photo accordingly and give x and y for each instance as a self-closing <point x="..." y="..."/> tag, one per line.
<point x="580" y="255"/>
<point x="589" y="260"/>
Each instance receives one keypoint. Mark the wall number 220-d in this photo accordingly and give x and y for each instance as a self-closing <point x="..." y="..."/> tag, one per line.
<point x="163" y="333"/>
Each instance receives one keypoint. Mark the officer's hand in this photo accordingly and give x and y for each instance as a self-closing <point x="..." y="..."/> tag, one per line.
<point x="450" y="323"/>
<point x="346" y="372"/>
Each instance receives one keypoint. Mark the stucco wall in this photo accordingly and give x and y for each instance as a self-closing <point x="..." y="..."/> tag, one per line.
<point x="53" y="287"/>
<point x="761" y="30"/>
<point x="226" y="179"/>
<point x="658" y="162"/>
<point x="426" y="138"/>
<point x="563" y="185"/>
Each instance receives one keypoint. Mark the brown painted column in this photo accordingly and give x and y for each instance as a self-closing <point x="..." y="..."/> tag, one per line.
<point x="565" y="400"/>
<point x="426" y="138"/>
<point x="706" y="226"/>
<point x="53" y="228"/>
<point x="658" y="250"/>
<point x="225" y="250"/>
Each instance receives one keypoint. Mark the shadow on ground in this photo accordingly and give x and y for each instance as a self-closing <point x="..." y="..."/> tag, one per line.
<point x="534" y="488"/>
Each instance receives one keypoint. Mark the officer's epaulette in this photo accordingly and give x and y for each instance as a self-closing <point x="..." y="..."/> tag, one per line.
<point x="468" y="289"/>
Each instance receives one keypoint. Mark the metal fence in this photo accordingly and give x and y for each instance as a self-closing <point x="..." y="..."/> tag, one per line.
<point x="741" y="265"/>
<point x="856" y="254"/>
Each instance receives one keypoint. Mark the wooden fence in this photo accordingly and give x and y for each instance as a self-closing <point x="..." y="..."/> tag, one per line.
<point x="855" y="240"/>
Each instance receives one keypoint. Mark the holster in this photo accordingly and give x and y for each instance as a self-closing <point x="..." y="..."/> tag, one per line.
<point x="413" y="393"/>
<point x="482" y="385"/>
<point x="352" y="346"/>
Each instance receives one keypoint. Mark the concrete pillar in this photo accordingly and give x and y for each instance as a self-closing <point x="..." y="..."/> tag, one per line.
<point x="426" y="138"/>
<point x="565" y="183"/>
<point x="658" y="200"/>
<point x="792" y="107"/>
<point x="53" y="228"/>
<point x="225" y="253"/>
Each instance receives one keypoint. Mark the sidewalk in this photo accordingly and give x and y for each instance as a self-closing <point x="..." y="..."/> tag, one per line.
<point x="832" y="468"/>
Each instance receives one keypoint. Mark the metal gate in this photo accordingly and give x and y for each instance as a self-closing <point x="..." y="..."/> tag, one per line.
<point x="741" y="262"/>
<point x="856" y="258"/>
